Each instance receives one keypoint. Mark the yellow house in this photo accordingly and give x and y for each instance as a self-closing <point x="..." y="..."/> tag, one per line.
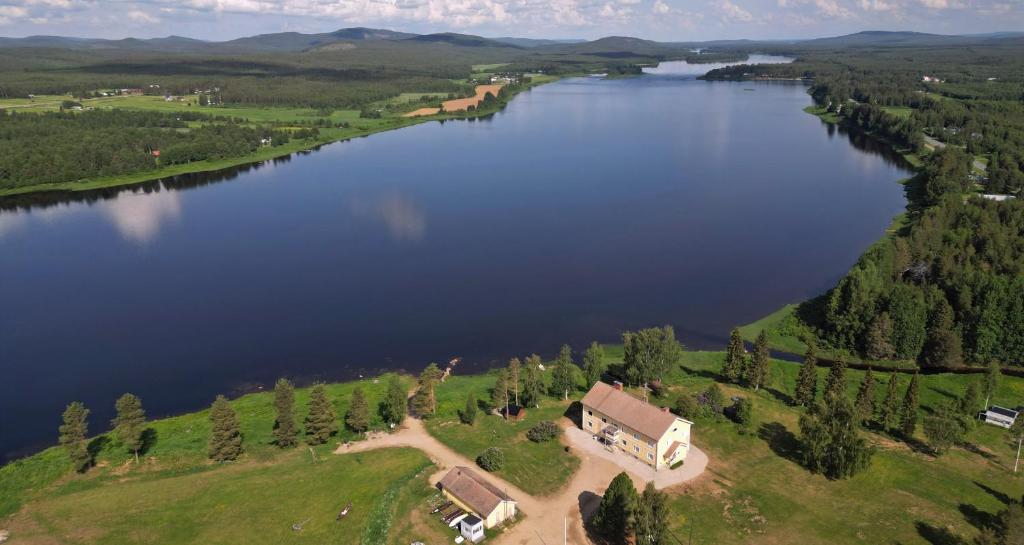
<point x="474" y="494"/>
<point x="649" y="433"/>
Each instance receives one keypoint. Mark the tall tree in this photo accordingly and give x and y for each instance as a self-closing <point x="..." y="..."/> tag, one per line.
<point x="835" y="382"/>
<point x="499" y="395"/>
<point x="758" y="370"/>
<point x="942" y="345"/>
<point x="533" y="383"/>
<point x="429" y="379"/>
<point x="650" y="353"/>
<point x="865" y="402"/>
<point x="807" y="380"/>
<point x="908" y="411"/>
<point x="616" y="513"/>
<point x="735" y="357"/>
<point x="226" y="436"/>
<point x="889" y="415"/>
<point x="944" y="428"/>
<point x="468" y="414"/>
<point x="991" y="383"/>
<point x="593" y="364"/>
<point x="130" y="423"/>
<point x="831" y="441"/>
<point x="286" y="433"/>
<point x="358" y="417"/>
<point x="563" y="376"/>
<point x="395" y="403"/>
<point x="72" y="435"/>
<point x="876" y="343"/>
<point x="322" y="419"/>
<point x="967" y="405"/>
<point x="514" y="365"/>
<point x="652" y="517"/>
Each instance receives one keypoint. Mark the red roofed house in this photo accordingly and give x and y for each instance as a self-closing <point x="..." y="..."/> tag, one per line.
<point x="649" y="433"/>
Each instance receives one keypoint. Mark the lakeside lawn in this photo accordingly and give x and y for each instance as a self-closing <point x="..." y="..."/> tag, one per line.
<point x="237" y="503"/>
<point x="179" y="443"/>
<point x="756" y="491"/>
<point x="537" y="468"/>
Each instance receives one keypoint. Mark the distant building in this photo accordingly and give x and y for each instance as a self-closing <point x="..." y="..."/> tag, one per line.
<point x="649" y="433"/>
<point x="1000" y="416"/>
<point x="471" y="492"/>
<point x="992" y="197"/>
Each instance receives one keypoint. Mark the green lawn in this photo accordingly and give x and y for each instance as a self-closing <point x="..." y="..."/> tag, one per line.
<point x="179" y="443"/>
<point x="537" y="468"/>
<point x="757" y="493"/>
<point x="898" y="111"/>
<point x="242" y="503"/>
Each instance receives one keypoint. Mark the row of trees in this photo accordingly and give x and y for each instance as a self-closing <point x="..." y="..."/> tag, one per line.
<point x="129" y="429"/>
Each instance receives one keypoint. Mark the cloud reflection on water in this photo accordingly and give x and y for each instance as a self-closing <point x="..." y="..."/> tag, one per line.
<point x="404" y="220"/>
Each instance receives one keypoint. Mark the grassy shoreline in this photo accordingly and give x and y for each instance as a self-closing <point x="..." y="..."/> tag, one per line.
<point x="265" y="154"/>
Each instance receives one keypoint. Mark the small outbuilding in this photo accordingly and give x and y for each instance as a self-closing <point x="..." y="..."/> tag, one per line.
<point x="1000" y="416"/>
<point x="472" y="528"/>
<point x="472" y="492"/>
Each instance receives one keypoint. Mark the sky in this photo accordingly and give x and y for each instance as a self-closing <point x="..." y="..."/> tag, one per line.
<point x="668" y="20"/>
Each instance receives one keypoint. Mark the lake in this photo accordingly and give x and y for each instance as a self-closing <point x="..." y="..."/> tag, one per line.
<point x="587" y="207"/>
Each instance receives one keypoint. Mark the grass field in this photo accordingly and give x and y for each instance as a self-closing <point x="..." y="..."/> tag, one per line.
<point x="758" y="493"/>
<point x="241" y="503"/>
<point x="537" y="468"/>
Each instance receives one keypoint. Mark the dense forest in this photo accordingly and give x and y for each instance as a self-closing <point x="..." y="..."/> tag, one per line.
<point x="948" y="288"/>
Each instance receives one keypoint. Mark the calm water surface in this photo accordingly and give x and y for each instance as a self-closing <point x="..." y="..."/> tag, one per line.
<point x="586" y="207"/>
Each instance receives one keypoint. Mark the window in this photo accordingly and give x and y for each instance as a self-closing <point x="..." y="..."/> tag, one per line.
<point x="636" y="436"/>
<point x="590" y="413"/>
<point x="605" y="420"/>
<point x="636" y="449"/>
<point x="623" y="442"/>
<point x="650" y="444"/>
<point x="650" y="457"/>
<point x="590" y="424"/>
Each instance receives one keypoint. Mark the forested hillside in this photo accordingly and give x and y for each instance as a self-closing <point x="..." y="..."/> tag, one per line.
<point x="948" y="288"/>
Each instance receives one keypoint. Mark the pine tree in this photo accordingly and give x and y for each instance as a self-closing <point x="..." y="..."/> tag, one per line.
<point x="286" y="433"/>
<point x="429" y="379"/>
<point x="942" y="345"/>
<point x="732" y="369"/>
<point x="499" y="394"/>
<point x="807" y="380"/>
<point x="593" y="364"/>
<point x="72" y="435"/>
<point x="514" y="365"/>
<point x="865" y="403"/>
<point x="322" y="419"/>
<point x="358" y="417"/>
<point x="889" y="417"/>
<point x="130" y="423"/>
<point x="468" y="414"/>
<point x="395" y="404"/>
<point x="835" y="382"/>
<point x="967" y="405"/>
<point x="616" y="513"/>
<point x="563" y="376"/>
<point x="226" y="437"/>
<point x="533" y="384"/>
<point x="757" y="372"/>
<point x="876" y="344"/>
<point x="908" y="411"/>
<point x="652" y="517"/>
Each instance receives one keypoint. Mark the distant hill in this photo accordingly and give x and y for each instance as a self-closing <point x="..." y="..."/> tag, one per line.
<point x="893" y="38"/>
<point x="465" y="40"/>
<point x="534" y="42"/>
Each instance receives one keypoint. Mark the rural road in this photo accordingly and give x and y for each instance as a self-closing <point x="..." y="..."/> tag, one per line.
<point x="936" y="144"/>
<point x="546" y="515"/>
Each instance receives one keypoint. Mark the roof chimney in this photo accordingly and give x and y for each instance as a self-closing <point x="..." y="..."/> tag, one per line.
<point x="617" y="385"/>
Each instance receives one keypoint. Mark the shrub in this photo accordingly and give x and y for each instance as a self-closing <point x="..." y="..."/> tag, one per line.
<point x="711" y="402"/>
<point x="743" y="412"/>
<point x="542" y="431"/>
<point x="677" y="465"/>
<point x="491" y="459"/>
<point x="687" y="407"/>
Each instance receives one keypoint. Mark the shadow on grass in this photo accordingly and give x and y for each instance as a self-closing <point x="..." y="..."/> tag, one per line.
<point x="938" y="536"/>
<point x="780" y="440"/>
<point x="975" y="449"/>
<point x="95" y="446"/>
<point x="944" y="392"/>
<point x="1006" y="500"/>
<point x="781" y="396"/>
<point x="705" y="373"/>
<point x="978" y="518"/>
<point x="149" y="440"/>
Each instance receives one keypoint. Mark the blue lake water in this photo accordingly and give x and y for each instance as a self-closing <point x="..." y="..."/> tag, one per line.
<point x="586" y="207"/>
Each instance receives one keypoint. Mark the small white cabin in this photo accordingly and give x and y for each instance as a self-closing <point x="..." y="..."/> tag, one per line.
<point x="472" y="528"/>
<point x="1000" y="416"/>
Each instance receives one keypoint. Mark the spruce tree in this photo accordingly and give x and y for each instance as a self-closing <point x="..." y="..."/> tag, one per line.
<point x="876" y="343"/>
<point x="130" y="423"/>
<point x="807" y="380"/>
<point x="394" y="406"/>
<point x="322" y="419"/>
<point x="967" y="405"/>
<point x="533" y="384"/>
<point x="757" y="372"/>
<point x="889" y="415"/>
<point x="865" y="403"/>
<point x="835" y="382"/>
<point x="563" y="376"/>
<point x="942" y="345"/>
<point x="514" y="366"/>
<point x="499" y="394"/>
<point x="616" y="513"/>
<point x="430" y="377"/>
<point x="732" y="369"/>
<point x="358" y="417"/>
<point x="286" y="433"/>
<point x="226" y="436"/>
<point x="652" y="517"/>
<point x="72" y="435"/>
<point x="908" y="411"/>
<point x="593" y="364"/>
<point x="468" y="414"/>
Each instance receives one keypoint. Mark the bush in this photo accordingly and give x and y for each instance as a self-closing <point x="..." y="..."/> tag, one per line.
<point x="542" y="431"/>
<point x="743" y="412"/>
<point x="492" y="459"/>
<point x="687" y="407"/>
<point x="677" y="465"/>
<point x="711" y="402"/>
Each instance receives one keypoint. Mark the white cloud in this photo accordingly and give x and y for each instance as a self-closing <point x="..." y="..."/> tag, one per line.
<point x="733" y="12"/>
<point x="660" y="8"/>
